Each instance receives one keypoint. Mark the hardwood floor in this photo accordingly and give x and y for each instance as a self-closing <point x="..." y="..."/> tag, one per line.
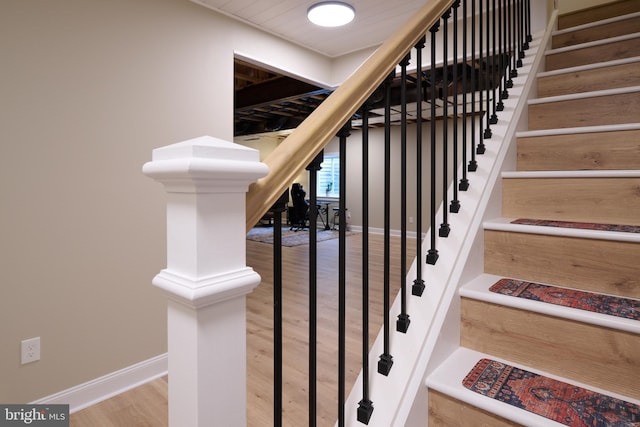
<point x="144" y="406"/>
<point x="147" y="405"/>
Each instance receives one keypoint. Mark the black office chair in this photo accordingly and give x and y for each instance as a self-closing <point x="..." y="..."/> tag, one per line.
<point x="299" y="214"/>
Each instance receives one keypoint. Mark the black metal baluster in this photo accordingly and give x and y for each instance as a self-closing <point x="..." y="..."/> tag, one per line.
<point x="504" y="54"/>
<point x="494" y="65"/>
<point x="500" y="60"/>
<point x="481" y="80"/>
<point x="487" y="75"/>
<point x="418" y="284"/>
<point x="513" y="19"/>
<point x="342" y="275"/>
<point x="529" y="37"/>
<point x="277" y="210"/>
<point x="365" y="406"/>
<point x="432" y="254"/>
<point x="445" y="229"/>
<point x="464" y="181"/>
<point x="386" y="360"/>
<point x="402" y="324"/>
<point x="455" y="203"/>
<point x="313" y="169"/>
<point x="513" y="71"/>
<point x="473" y="164"/>
<point x="520" y="33"/>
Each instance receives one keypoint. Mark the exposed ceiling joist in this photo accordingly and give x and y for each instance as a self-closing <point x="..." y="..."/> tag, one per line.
<point x="279" y="102"/>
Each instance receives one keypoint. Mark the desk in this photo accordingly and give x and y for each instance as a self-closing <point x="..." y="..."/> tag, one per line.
<point x="325" y="210"/>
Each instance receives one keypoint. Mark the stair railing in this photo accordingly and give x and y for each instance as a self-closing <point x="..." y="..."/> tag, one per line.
<point x="206" y="282"/>
<point x="484" y="59"/>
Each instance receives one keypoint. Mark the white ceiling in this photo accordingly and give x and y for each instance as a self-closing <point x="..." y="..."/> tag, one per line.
<point x="375" y="21"/>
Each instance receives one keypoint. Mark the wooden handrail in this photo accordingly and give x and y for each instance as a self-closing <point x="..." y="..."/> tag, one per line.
<point x="298" y="150"/>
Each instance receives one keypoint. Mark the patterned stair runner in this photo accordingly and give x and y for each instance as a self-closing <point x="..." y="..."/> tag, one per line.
<point x="599" y="303"/>
<point x="580" y="225"/>
<point x="556" y="400"/>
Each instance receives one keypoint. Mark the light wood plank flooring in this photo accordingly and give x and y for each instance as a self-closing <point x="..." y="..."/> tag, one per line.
<point x="147" y="405"/>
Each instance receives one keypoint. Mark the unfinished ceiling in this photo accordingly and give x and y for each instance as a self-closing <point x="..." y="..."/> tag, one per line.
<point x="266" y="102"/>
<point x="269" y="102"/>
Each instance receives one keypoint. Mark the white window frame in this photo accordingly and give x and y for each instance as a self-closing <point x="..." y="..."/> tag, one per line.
<point x="329" y="176"/>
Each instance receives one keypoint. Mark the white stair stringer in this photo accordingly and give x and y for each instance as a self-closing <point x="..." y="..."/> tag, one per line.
<point x="399" y="399"/>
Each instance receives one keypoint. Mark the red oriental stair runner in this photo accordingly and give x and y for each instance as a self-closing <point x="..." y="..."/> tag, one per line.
<point x="556" y="400"/>
<point x="606" y="304"/>
<point x="580" y="225"/>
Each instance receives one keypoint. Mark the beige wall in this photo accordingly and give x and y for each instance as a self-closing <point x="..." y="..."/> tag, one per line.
<point x="88" y="89"/>
<point x="376" y="177"/>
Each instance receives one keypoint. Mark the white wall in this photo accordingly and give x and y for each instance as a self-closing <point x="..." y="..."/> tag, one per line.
<point x="88" y="89"/>
<point x="272" y="53"/>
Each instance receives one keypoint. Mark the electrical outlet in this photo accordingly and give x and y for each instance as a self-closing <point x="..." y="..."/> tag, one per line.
<point x="30" y="350"/>
<point x="410" y="220"/>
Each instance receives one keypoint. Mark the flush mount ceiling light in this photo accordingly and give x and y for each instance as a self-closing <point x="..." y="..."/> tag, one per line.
<point x="331" y="13"/>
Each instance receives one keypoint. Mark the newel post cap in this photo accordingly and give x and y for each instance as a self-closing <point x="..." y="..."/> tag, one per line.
<point x="205" y="164"/>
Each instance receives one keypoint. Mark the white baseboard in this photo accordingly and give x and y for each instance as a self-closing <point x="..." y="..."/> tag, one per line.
<point x="99" y="389"/>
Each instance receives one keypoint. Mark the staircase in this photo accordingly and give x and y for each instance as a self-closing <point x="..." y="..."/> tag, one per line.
<point x="578" y="167"/>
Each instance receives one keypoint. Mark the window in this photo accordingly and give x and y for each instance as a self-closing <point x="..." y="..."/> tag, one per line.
<point x="329" y="176"/>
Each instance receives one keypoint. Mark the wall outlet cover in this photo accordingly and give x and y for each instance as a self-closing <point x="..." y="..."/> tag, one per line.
<point x="30" y="350"/>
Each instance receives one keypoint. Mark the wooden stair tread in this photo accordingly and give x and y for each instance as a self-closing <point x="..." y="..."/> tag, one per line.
<point x="621" y="173"/>
<point x="592" y="52"/>
<point x="594" y="43"/>
<point x="603" y="198"/>
<point x="586" y="95"/>
<point x="586" y="78"/>
<point x="587" y="67"/>
<point x="569" y="257"/>
<point x="448" y="376"/>
<point x="597" y="13"/>
<point x="478" y="289"/>
<point x="596" y="261"/>
<point x="555" y="399"/>
<point x="578" y="130"/>
<point x="558" y="151"/>
<point x="594" y="108"/>
<point x="505" y="224"/>
<point x="600" y="356"/>
<point x="624" y="228"/>
<point x="597" y="30"/>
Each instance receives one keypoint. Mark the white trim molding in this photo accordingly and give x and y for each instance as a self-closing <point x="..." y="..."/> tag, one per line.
<point x="95" y="391"/>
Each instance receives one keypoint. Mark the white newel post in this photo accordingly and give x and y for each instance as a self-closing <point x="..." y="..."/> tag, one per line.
<point x="206" y="279"/>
